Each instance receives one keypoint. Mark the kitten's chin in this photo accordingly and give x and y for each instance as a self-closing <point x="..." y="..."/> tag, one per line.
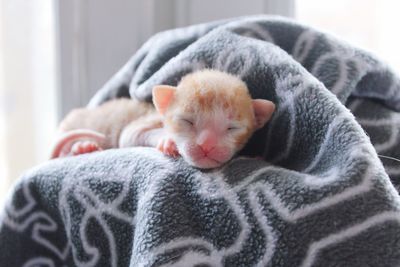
<point x="206" y="163"/>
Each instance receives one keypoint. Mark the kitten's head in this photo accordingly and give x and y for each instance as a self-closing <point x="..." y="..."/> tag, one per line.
<point x="210" y="116"/>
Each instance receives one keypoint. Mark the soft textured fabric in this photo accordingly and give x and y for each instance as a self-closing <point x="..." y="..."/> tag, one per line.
<point x="319" y="196"/>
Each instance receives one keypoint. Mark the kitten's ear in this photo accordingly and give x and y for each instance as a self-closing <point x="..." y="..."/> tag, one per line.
<point x="263" y="110"/>
<point x="162" y="97"/>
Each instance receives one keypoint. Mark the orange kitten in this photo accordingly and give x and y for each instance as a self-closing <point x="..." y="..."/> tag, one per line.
<point x="209" y="116"/>
<point x="206" y="119"/>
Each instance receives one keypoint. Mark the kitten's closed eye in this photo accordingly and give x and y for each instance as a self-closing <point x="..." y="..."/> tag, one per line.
<point x="187" y="121"/>
<point x="232" y="128"/>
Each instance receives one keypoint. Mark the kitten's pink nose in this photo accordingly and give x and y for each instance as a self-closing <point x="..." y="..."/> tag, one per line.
<point x="207" y="140"/>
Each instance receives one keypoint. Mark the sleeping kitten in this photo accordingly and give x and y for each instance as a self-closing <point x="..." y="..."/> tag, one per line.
<point x="206" y="119"/>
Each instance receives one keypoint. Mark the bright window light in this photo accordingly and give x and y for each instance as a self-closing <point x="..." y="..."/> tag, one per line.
<point x="369" y="24"/>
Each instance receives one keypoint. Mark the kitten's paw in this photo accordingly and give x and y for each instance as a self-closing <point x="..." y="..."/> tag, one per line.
<point x="84" y="147"/>
<point x="168" y="147"/>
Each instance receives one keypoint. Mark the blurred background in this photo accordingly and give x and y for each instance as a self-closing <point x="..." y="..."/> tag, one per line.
<point x="54" y="55"/>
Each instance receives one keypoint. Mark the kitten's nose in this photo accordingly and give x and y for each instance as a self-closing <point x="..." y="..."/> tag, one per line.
<point x="207" y="140"/>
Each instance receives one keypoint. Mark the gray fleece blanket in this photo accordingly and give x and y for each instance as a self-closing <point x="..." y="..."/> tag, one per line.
<point x="308" y="190"/>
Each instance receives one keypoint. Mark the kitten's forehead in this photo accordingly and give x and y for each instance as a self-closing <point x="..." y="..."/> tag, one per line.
<point x="211" y="90"/>
<point x="206" y="80"/>
<point x="205" y="101"/>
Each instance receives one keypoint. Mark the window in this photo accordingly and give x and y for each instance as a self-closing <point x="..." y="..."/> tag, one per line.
<point x="369" y="24"/>
<point x="27" y="86"/>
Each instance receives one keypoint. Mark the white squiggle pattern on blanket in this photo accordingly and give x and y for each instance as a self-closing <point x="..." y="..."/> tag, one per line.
<point x="348" y="233"/>
<point x="95" y="208"/>
<point x="21" y="219"/>
<point x="393" y="123"/>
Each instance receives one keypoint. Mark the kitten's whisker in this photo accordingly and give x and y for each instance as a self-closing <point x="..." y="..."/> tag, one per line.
<point x="387" y="157"/>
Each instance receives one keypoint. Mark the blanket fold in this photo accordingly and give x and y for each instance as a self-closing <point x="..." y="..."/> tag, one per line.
<point x="319" y="196"/>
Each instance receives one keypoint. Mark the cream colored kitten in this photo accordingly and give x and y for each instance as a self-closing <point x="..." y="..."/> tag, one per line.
<point x="206" y="119"/>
